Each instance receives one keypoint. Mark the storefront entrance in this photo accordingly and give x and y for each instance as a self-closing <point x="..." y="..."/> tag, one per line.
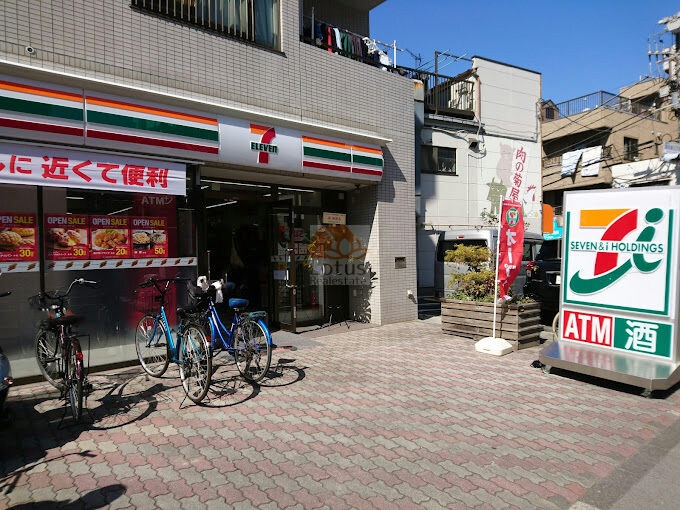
<point x="257" y="236"/>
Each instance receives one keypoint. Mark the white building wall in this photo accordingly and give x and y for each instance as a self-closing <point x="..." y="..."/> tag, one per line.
<point x="646" y="172"/>
<point x="508" y="109"/>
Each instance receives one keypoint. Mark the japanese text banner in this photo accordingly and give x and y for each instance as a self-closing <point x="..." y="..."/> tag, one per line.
<point x="47" y="166"/>
<point x="511" y="245"/>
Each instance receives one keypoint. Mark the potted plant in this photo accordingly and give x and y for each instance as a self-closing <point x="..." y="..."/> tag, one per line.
<point x="469" y="311"/>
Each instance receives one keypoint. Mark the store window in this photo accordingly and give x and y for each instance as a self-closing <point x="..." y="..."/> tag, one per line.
<point x="253" y="20"/>
<point x="123" y="225"/>
<point x="438" y="160"/>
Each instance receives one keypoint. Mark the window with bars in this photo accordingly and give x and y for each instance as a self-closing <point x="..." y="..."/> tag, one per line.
<point x="253" y="20"/>
<point x="438" y="160"/>
<point x="630" y="148"/>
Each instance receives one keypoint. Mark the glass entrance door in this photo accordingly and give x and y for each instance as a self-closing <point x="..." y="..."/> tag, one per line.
<point x="299" y="298"/>
<point x="283" y="266"/>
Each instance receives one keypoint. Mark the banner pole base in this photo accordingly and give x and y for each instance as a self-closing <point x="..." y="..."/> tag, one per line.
<point x="493" y="345"/>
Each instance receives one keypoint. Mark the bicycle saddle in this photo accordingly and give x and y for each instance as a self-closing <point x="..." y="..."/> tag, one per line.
<point x="67" y="320"/>
<point x="238" y="303"/>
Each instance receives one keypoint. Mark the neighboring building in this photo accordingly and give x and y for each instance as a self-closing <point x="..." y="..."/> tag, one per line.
<point x="240" y="126"/>
<point x="479" y="140"/>
<point x="603" y="140"/>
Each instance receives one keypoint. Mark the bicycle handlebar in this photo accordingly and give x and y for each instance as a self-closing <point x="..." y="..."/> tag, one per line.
<point x="39" y="301"/>
<point x="78" y="281"/>
<point x="155" y="281"/>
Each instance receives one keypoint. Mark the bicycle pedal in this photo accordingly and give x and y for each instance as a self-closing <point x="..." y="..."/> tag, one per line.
<point x="88" y="388"/>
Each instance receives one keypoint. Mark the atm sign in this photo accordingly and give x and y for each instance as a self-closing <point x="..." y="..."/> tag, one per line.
<point x="587" y="327"/>
<point x="620" y="333"/>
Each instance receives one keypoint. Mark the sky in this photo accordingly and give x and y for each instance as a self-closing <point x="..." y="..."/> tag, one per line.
<point x="578" y="46"/>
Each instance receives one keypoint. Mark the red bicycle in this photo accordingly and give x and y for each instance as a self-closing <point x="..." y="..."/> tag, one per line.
<point x="57" y="347"/>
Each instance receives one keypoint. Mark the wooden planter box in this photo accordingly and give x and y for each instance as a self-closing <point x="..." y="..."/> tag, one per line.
<point x="519" y="324"/>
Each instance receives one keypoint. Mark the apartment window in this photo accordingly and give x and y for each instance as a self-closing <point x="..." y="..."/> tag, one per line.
<point x="253" y="20"/>
<point x="550" y="113"/>
<point x="438" y="160"/>
<point x="630" y="148"/>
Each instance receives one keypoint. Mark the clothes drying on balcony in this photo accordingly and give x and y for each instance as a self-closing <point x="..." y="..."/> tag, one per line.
<point x="338" y="40"/>
<point x="590" y="162"/>
<point x="344" y="42"/>
<point x="569" y="161"/>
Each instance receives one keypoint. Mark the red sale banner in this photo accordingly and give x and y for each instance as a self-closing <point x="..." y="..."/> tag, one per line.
<point x="511" y="245"/>
<point x="18" y="237"/>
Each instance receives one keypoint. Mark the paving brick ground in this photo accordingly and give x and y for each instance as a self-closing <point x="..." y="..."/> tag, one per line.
<point x="399" y="416"/>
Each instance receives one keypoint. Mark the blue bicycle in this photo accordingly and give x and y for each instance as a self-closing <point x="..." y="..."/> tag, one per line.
<point x="156" y="346"/>
<point x="247" y="338"/>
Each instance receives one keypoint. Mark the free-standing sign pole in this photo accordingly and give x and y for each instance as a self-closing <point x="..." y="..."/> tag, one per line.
<point x="492" y="344"/>
<point x="495" y="275"/>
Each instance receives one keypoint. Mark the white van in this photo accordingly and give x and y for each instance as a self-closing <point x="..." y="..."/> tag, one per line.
<point x="486" y="237"/>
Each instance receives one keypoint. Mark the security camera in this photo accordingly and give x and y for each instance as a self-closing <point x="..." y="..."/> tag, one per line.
<point x="473" y="143"/>
<point x="30" y="50"/>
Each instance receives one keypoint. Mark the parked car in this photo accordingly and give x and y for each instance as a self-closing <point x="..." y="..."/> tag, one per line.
<point x="485" y="237"/>
<point x="544" y="278"/>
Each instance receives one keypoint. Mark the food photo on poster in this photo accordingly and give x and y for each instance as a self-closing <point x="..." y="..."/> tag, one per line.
<point x="18" y="237"/>
<point x="149" y="237"/>
<point x="67" y="237"/>
<point x="109" y="237"/>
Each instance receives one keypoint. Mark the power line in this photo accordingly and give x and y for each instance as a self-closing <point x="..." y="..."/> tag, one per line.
<point x="635" y="119"/>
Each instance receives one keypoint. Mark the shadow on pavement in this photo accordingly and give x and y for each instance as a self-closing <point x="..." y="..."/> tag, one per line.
<point x="607" y="383"/>
<point x="97" y="498"/>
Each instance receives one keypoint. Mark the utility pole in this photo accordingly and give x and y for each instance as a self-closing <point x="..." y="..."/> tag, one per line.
<point x="671" y="63"/>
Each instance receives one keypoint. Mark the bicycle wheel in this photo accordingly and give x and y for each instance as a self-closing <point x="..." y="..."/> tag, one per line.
<point x="48" y="355"/>
<point x="152" y="346"/>
<point x="74" y="379"/>
<point x="252" y="349"/>
<point x="195" y="363"/>
<point x="556" y="327"/>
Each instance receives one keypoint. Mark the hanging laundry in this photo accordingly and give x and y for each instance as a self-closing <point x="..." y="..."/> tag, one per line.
<point x="590" y="162"/>
<point x="569" y="162"/>
<point x="336" y="40"/>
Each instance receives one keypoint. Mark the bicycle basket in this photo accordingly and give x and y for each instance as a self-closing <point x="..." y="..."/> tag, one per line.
<point x="37" y="302"/>
<point x="43" y="303"/>
<point x="146" y="300"/>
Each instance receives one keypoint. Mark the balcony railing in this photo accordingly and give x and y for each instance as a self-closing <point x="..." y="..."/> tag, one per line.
<point x="595" y="100"/>
<point x="444" y="95"/>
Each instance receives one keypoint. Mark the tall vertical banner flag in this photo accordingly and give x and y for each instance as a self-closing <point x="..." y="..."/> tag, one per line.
<point x="511" y="245"/>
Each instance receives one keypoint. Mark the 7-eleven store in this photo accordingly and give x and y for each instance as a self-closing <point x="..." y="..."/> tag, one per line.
<point x="116" y="188"/>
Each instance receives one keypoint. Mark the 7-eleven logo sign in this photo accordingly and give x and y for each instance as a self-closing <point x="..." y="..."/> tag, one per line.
<point x="613" y="253"/>
<point x="263" y="146"/>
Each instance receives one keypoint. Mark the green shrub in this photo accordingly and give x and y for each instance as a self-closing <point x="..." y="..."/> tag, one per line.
<point x="477" y="280"/>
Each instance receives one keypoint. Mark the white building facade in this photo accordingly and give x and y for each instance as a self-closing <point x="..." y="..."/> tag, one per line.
<point x="495" y="152"/>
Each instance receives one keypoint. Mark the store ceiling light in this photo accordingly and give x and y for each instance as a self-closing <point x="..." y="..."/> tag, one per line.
<point x="75" y="198"/>
<point x="237" y="183"/>
<point x="116" y="212"/>
<point x="297" y="189"/>
<point x="220" y="205"/>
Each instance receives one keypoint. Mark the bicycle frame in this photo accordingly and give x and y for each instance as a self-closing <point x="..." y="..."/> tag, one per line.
<point x="246" y="337"/>
<point x="189" y="349"/>
<point x="219" y="331"/>
<point x="67" y="337"/>
<point x="174" y="347"/>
